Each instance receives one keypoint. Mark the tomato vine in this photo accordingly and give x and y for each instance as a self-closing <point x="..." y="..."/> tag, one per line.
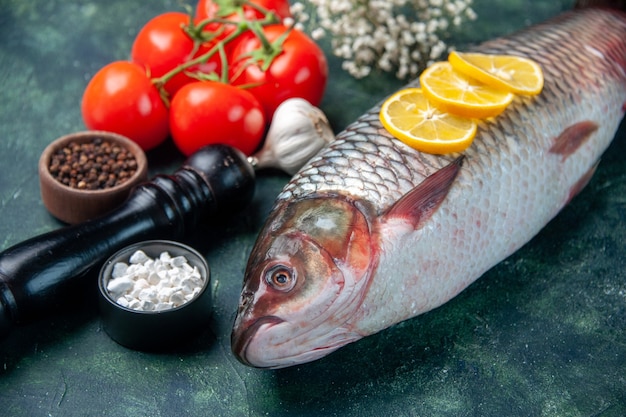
<point x="236" y="43"/>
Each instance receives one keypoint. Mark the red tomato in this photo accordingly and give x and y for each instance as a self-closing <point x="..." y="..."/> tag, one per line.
<point x="121" y="98"/>
<point x="300" y="70"/>
<point x="204" y="113"/>
<point x="162" y="45"/>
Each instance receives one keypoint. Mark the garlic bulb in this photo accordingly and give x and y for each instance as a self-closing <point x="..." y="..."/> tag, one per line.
<point x="297" y="132"/>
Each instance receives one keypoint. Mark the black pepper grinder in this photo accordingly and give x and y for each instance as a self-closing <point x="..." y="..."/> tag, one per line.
<point x="39" y="273"/>
<point x="36" y="274"/>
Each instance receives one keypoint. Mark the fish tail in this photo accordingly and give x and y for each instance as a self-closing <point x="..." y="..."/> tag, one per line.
<point x="612" y="4"/>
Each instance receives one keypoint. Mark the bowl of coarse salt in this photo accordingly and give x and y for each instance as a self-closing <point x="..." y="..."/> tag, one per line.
<point x="154" y="295"/>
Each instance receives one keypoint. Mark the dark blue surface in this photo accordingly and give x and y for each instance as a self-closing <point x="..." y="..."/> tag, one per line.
<point x="543" y="333"/>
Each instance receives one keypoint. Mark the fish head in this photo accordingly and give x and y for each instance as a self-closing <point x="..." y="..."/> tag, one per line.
<point x="305" y="279"/>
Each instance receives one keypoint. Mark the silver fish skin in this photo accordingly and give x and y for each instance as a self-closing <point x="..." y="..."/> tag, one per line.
<point x="371" y="232"/>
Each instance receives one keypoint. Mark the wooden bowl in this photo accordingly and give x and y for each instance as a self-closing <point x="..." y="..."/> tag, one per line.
<point x="74" y="205"/>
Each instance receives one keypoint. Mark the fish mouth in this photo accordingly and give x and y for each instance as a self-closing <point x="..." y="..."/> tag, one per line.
<point x="263" y="351"/>
<point x="240" y="340"/>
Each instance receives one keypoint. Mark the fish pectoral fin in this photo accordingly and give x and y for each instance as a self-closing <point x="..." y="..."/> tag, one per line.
<point x="419" y="204"/>
<point x="572" y="138"/>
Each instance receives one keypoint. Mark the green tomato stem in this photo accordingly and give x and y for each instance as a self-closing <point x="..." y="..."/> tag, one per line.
<point x="196" y="33"/>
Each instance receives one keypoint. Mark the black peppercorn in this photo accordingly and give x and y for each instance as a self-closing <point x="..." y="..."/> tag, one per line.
<point x="92" y="165"/>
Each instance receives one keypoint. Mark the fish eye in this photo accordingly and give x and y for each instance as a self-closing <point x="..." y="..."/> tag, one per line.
<point x="280" y="278"/>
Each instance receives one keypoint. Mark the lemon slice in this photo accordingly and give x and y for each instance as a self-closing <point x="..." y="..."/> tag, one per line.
<point x="506" y="72"/>
<point x="456" y="93"/>
<point x="410" y="117"/>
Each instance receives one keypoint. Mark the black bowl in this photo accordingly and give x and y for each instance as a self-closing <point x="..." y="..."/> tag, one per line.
<point x="155" y="330"/>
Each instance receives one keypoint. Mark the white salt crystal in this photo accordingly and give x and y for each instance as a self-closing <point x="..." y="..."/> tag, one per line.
<point x="120" y="285"/>
<point x="163" y="306"/>
<point x="119" y="269"/>
<point x="122" y="301"/>
<point x="148" y="294"/>
<point x="138" y="257"/>
<point x="154" y="284"/>
<point x="153" y="278"/>
<point x="147" y="305"/>
<point x="165" y="257"/>
<point x="178" y="261"/>
<point x="142" y="283"/>
<point x="177" y="299"/>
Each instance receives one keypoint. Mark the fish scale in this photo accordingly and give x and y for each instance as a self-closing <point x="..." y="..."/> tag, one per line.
<point x="364" y="161"/>
<point x="365" y="143"/>
<point x="363" y="238"/>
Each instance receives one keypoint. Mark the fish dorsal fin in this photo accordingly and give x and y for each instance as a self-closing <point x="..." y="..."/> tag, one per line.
<point x="572" y="138"/>
<point x="419" y="204"/>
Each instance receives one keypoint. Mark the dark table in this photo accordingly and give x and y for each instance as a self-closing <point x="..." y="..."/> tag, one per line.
<point x="541" y="334"/>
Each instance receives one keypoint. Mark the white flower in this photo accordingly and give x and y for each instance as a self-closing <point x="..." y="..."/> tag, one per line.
<point x="400" y="36"/>
<point x="318" y="33"/>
